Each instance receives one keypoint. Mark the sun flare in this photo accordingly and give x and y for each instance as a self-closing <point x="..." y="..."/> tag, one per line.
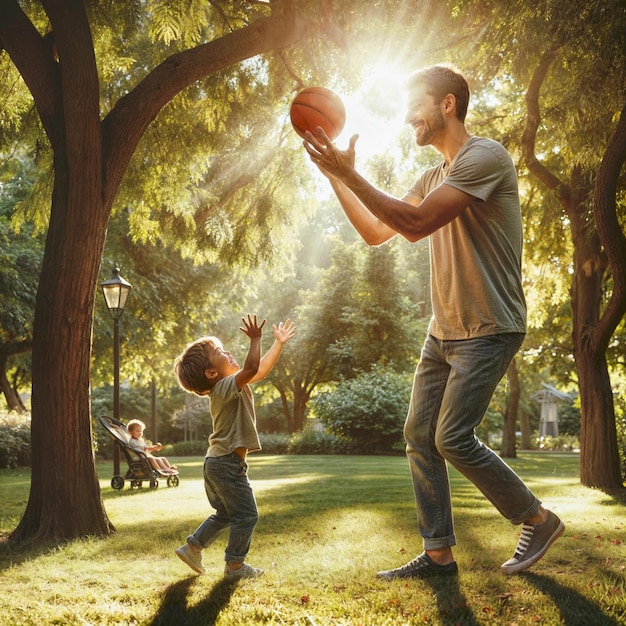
<point x="376" y="112"/>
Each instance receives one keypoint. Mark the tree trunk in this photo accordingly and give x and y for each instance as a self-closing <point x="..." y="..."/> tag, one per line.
<point x="524" y="424"/>
<point x="5" y="387"/>
<point x="65" y="497"/>
<point x="599" y="456"/>
<point x="591" y="239"/>
<point x="507" y="450"/>
<point x="597" y="427"/>
<point x="295" y="416"/>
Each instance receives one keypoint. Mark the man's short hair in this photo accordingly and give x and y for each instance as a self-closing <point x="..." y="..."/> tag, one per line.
<point x="440" y="80"/>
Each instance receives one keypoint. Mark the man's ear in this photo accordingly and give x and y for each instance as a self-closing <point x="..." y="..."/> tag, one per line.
<point x="210" y="374"/>
<point x="449" y="102"/>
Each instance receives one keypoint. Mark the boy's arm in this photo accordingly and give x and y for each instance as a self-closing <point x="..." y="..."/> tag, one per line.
<point x="253" y="330"/>
<point x="282" y="334"/>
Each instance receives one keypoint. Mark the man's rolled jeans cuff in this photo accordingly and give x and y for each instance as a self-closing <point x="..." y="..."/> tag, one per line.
<point x="194" y="542"/>
<point x="532" y="510"/>
<point x="439" y="543"/>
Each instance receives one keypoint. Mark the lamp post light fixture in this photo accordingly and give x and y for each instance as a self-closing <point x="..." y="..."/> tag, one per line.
<point x="115" y="291"/>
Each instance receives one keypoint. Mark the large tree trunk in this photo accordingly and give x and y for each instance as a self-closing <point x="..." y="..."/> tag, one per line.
<point x="599" y="456"/>
<point x="591" y="332"/>
<point x="65" y="497"/>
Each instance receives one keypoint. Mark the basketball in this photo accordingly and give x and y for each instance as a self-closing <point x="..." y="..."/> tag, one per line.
<point x="318" y="106"/>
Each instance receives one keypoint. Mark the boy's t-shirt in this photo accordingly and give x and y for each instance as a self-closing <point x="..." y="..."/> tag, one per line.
<point x="234" y="419"/>
<point x="476" y="278"/>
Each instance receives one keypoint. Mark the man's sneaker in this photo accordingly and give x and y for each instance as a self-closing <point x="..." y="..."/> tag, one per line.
<point x="193" y="559"/>
<point x="245" y="571"/>
<point x="421" y="566"/>
<point x="533" y="543"/>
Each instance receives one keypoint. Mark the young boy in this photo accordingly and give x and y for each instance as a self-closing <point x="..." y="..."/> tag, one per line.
<point x="159" y="463"/>
<point x="206" y="369"/>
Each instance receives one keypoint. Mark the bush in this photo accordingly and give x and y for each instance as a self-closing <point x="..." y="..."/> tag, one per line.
<point x="369" y="410"/>
<point x="185" y="448"/>
<point x="275" y="443"/>
<point x="562" y="442"/>
<point x="14" y="440"/>
<point x="311" y="441"/>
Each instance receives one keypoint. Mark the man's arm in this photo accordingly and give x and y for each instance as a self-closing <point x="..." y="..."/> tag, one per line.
<point x="372" y="230"/>
<point x="388" y="215"/>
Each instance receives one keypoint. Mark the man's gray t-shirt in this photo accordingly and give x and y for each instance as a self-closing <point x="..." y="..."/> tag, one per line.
<point x="476" y="279"/>
<point x="234" y="419"/>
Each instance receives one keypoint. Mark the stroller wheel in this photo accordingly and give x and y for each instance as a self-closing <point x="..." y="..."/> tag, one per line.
<point x="173" y="481"/>
<point x="117" y="482"/>
<point x="154" y="483"/>
<point x="135" y="483"/>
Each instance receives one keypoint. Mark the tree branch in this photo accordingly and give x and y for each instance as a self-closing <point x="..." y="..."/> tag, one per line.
<point x="533" y="119"/>
<point x="610" y="232"/>
<point x="33" y="58"/>
<point x="127" y="121"/>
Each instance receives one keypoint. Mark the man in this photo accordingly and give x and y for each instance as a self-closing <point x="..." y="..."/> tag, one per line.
<point x="469" y="207"/>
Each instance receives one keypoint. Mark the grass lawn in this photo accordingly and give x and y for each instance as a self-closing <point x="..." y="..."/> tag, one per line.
<point x="327" y="524"/>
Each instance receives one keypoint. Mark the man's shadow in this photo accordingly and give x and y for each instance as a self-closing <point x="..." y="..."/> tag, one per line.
<point x="575" y="609"/>
<point x="174" y="609"/>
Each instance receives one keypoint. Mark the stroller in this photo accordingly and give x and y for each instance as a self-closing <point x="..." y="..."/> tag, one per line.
<point x="139" y="468"/>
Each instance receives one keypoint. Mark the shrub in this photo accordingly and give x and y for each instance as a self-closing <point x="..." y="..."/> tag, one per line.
<point x="562" y="442"/>
<point x="14" y="440"/>
<point x="185" y="448"/>
<point x="275" y="443"/>
<point x="369" y="410"/>
<point x="311" y="441"/>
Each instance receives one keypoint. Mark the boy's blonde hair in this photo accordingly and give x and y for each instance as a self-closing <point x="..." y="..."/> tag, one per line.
<point x="191" y="365"/>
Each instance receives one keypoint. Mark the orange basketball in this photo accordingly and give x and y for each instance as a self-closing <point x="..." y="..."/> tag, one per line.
<point x="318" y="106"/>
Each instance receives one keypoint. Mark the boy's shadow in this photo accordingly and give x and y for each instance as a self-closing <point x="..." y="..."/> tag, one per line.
<point x="174" y="609"/>
<point x="452" y="605"/>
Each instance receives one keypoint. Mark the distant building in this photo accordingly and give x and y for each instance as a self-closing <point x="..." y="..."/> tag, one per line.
<point x="549" y="398"/>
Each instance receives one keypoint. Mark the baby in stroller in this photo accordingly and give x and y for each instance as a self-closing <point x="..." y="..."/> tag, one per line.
<point x="136" y="441"/>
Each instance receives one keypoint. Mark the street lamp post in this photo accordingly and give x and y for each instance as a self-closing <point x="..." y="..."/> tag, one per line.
<point x="116" y="291"/>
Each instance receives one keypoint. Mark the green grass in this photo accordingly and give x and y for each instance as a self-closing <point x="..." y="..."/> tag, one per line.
<point x="327" y="524"/>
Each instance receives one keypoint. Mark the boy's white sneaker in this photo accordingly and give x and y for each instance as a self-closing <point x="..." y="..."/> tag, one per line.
<point x="245" y="571"/>
<point x="193" y="559"/>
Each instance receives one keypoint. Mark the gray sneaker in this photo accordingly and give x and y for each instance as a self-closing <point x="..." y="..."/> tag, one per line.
<point x="421" y="566"/>
<point x="533" y="543"/>
<point x="245" y="571"/>
<point x="193" y="559"/>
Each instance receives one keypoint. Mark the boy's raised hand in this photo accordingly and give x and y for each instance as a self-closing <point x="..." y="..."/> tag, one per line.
<point x="284" y="331"/>
<point x="251" y="327"/>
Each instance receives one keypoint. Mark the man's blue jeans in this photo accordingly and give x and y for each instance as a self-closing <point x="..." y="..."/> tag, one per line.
<point x="453" y="385"/>
<point x="230" y="494"/>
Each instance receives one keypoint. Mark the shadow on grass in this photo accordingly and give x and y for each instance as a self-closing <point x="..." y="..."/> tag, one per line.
<point x="174" y="608"/>
<point x="452" y="605"/>
<point x="575" y="610"/>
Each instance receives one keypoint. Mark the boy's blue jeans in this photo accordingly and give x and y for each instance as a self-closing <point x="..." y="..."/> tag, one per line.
<point x="230" y="494"/>
<point x="453" y="385"/>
